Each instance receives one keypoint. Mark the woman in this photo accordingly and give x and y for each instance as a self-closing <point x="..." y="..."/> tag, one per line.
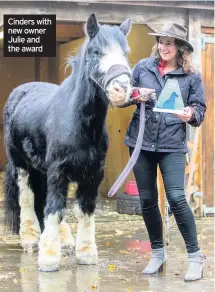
<point x="164" y="142"/>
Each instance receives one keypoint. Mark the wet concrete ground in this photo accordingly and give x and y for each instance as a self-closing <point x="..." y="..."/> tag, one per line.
<point x="124" y="251"/>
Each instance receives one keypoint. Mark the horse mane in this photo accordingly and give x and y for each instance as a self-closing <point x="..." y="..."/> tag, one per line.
<point x="74" y="62"/>
<point x="78" y="77"/>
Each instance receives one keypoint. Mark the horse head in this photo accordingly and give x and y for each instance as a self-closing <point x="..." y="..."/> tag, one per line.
<point x="107" y="56"/>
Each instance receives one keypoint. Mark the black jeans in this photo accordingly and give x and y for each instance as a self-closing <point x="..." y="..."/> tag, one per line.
<point x="172" y="166"/>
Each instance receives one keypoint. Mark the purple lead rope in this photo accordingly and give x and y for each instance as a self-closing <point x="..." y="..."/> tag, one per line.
<point x="133" y="159"/>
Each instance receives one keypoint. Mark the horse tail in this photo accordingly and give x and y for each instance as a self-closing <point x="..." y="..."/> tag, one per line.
<point x="11" y="189"/>
<point x="11" y="198"/>
<point x="40" y="191"/>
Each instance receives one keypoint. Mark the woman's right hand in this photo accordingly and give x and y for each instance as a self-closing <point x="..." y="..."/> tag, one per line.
<point x="117" y="95"/>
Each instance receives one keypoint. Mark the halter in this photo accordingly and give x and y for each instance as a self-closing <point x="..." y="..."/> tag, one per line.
<point x="102" y="80"/>
<point x="114" y="72"/>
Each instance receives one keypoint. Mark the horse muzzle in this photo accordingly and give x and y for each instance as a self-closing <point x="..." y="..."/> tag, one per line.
<point x="119" y="89"/>
<point x="117" y="78"/>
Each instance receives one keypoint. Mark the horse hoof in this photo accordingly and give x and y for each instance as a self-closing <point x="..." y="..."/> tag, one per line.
<point x="47" y="264"/>
<point x="67" y="249"/>
<point x="49" y="260"/>
<point x="30" y="247"/>
<point x="68" y="245"/>
<point x="49" y="268"/>
<point x="87" y="256"/>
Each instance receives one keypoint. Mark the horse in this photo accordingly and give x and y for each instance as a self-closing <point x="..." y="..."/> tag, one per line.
<point x="55" y="135"/>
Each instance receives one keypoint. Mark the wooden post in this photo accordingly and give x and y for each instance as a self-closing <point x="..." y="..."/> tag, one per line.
<point x="198" y="176"/>
<point x="193" y="166"/>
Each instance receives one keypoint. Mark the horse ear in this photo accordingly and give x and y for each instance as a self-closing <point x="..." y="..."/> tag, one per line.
<point x="92" y="26"/>
<point x="125" y="26"/>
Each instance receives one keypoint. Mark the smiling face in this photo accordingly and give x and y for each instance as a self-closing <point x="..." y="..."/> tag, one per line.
<point x="167" y="48"/>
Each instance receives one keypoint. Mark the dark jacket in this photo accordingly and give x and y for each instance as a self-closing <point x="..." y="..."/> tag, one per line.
<point x="165" y="132"/>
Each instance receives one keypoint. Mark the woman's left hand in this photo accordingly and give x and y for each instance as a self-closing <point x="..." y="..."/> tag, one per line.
<point x="146" y="94"/>
<point x="186" y="115"/>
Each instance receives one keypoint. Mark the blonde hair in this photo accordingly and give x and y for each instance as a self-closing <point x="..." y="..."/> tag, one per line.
<point x="184" y="56"/>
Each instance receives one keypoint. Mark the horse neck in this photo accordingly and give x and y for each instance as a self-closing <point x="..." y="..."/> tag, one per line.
<point x="88" y="105"/>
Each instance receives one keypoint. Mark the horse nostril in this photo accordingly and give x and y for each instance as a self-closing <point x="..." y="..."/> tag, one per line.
<point x="123" y="85"/>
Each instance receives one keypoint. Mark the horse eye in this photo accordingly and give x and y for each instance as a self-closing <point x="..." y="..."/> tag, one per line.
<point x="96" y="52"/>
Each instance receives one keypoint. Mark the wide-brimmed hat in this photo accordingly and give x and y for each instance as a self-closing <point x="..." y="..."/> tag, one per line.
<point x="174" y="30"/>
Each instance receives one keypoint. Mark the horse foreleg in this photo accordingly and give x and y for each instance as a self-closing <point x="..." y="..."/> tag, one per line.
<point x="50" y="242"/>
<point x="85" y="249"/>
<point x="67" y="240"/>
<point x="29" y="225"/>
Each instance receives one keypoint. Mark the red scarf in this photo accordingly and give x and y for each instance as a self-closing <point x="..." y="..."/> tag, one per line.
<point x="161" y="67"/>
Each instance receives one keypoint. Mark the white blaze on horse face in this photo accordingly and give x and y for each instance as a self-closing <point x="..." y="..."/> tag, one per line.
<point x="29" y="224"/>
<point x="115" y="56"/>
<point x="86" y="249"/>
<point x="50" y="244"/>
<point x="112" y="56"/>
